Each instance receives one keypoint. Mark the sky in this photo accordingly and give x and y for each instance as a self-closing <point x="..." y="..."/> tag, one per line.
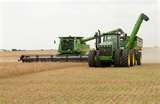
<point x="35" y="24"/>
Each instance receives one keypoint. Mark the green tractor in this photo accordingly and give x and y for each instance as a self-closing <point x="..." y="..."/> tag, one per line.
<point x="118" y="49"/>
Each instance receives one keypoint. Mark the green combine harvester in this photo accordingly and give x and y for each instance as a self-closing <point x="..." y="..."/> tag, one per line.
<point x="70" y="49"/>
<point x="116" y="48"/>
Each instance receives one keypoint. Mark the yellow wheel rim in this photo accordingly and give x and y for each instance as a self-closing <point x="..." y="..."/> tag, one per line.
<point x="129" y="59"/>
<point x="133" y="59"/>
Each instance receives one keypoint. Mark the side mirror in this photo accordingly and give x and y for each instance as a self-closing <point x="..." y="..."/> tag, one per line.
<point x="54" y="42"/>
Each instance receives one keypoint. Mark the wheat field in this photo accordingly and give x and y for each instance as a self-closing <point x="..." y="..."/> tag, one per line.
<point x="76" y="83"/>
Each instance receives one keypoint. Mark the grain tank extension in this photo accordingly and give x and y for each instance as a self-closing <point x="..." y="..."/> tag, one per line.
<point x="118" y="49"/>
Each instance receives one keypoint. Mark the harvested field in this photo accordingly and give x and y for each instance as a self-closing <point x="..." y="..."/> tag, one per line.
<point x="76" y="83"/>
<point x="13" y="56"/>
<point x="150" y="55"/>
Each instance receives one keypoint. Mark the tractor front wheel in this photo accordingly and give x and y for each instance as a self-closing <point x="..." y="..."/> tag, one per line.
<point x="91" y="58"/>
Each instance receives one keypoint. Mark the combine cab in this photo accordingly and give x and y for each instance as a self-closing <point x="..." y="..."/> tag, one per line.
<point x="73" y="46"/>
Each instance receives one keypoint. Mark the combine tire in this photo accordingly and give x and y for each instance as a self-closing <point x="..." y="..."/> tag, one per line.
<point x="117" y="58"/>
<point x="139" y="56"/>
<point x="91" y="58"/>
<point x="125" y="58"/>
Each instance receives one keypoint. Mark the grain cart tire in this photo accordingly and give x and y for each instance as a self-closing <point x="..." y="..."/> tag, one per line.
<point x="132" y="58"/>
<point x="125" y="58"/>
<point x="139" y="57"/>
<point x="91" y="58"/>
<point x="117" y="58"/>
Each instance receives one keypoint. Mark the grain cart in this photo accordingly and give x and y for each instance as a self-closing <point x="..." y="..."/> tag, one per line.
<point x="116" y="48"/>
<point x="70" y="49"/>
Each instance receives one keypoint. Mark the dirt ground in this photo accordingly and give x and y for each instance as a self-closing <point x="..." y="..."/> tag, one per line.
<point x="76" y="83"/>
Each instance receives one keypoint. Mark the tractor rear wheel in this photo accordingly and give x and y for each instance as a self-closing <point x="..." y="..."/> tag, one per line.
<point x="98" y="63"/>
<point x="125" y="58"/>
<point x="117" y="58"/>
<point x="91" y="58"/>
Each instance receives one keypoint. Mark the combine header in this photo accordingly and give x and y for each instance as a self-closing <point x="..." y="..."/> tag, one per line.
<point x="70" y="49"/>
<point x="118" y="49"/>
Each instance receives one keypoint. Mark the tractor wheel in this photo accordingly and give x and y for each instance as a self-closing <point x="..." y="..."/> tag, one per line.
<point x="132" y="59"/>
<point x="139" y="57"/>
<point x="98" y="62"/>
<point x="91" y="58"/>
<point x="125" y="58"/>
<point x="117" y="58"/>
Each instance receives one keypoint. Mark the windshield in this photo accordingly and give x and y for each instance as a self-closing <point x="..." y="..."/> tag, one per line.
<point x="109" y="40"/>
<point x="67" y="44"/>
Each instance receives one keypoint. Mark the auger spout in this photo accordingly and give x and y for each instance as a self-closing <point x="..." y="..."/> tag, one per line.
<point x="134" y="32"/>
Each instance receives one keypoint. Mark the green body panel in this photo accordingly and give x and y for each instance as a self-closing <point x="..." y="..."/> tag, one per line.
<point x="104" y="58"/>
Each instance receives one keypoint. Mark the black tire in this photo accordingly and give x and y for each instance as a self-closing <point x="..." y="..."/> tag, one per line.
<point x="138" y="58"/>
<point x="117" y="58"/>
<point x="132" y="59"/>
<point x="125" y="58"/>
<point x="105" y="64"/>
<point x="98" y="62"/>
<point x="91" y="58"/>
